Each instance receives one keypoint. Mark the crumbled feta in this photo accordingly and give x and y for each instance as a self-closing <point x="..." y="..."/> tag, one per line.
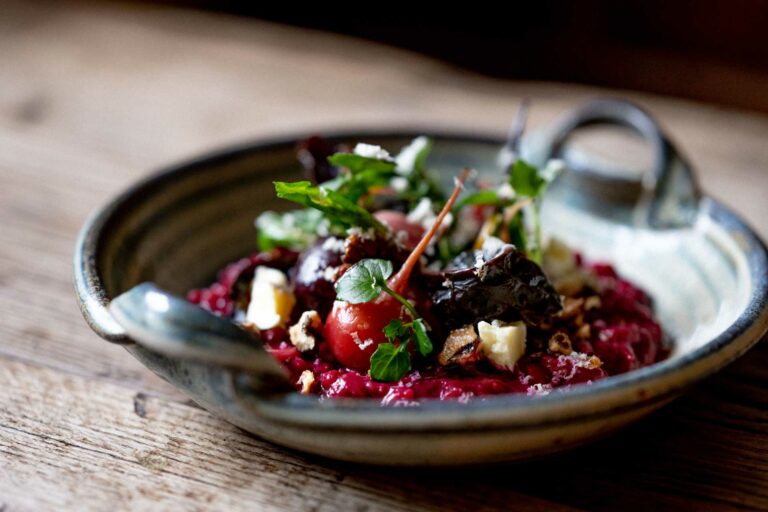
<point x="362" y="345"/>
<point x="398" y="184"/>
<point x="333" y="244"/>
<point x="406" y="159"/>
<point x="372" y="151"/>
<point x="424" y="215"/>
<point x="329" y="273"/>
<point x="367" y="234"/>
<point x="505" y="191"/>
<point x="540" y="389"/>
<point x="423" y="212"/>
<point x="272" y="299"/>
<point x="502" y="343"/>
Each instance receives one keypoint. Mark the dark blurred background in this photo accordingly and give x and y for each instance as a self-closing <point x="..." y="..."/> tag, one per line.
<point x="711" y="50"/>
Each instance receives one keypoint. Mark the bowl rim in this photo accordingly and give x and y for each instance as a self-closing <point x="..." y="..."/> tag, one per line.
<point x="744" y="332"/>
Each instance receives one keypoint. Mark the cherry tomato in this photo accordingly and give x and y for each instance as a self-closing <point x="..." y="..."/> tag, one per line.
<point x="355" y="330"/>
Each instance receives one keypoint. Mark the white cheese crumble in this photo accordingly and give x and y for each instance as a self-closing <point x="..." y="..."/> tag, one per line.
<point x="398" y="184"/>
<point x="424" y="215"/>
<point x="372" y="151"/>
<point x="406" y="159"/>
<point x="333" y="244"/>
<point x="272" y="299"/>
<point x="502" y="343"/>
<point x="362" y="345"/>
<point x="368" y="234"/>
<point x="505" y="191"/>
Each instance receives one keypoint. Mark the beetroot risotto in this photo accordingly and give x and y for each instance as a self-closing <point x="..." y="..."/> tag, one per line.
<point x="382" y="286"/>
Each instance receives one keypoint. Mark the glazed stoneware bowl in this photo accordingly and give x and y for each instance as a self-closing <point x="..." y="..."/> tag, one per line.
<point x="705" y="269"/>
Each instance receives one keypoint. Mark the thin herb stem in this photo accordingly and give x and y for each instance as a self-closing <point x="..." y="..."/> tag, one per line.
<point x="402" y="300"/>
<point x="538" y="252"/>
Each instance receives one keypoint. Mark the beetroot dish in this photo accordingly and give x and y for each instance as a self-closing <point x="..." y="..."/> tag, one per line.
<point x="383" y="286"/>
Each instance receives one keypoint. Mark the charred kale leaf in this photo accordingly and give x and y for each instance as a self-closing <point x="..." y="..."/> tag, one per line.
<point x="507" y="287"/>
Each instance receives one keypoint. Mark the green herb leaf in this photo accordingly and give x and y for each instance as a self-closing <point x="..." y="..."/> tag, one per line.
<point x="363" y="281"/>
<point x="423" y="343"/>
<point x="337" y="208"/>
<point x="526" y="179"/>
<point x="396" y="329"/>
<point x="357" y="163"/>
<point x="488" y="197"/>
<point x="389" y="363"/>
<point x="296" y="229"/>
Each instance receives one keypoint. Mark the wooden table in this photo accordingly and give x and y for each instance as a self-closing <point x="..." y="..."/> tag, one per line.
<point x="93" y="97"/>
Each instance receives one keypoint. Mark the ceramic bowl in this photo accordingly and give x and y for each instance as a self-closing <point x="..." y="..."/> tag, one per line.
<point x="705" y="269"/>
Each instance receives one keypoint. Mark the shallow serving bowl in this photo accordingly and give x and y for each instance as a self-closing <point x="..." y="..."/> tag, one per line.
<point x="706" y="270"/>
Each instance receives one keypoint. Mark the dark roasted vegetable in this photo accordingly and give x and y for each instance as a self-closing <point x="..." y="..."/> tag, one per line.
<point x="507" y="287"/>
<point x="313" y="276"/>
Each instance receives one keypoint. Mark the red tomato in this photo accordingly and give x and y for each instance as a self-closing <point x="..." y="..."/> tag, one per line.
<point x="355" y="330"/>
<point x="398" y="222"/>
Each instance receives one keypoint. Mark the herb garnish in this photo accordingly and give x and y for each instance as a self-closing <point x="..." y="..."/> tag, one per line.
<point x="363" y="282"/>
<point x="338" y="209"/>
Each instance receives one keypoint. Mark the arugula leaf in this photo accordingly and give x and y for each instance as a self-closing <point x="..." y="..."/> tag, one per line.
<point x="363" y="281"/>
<point x="526" y="179"/>
<point x="395" y="329"/>
<point x="389" y="363"/>
<point x="337" y="208"/>
<point x="296" y="229"/>
<point x="423" y="343"/>
<point x="357" y="163"/>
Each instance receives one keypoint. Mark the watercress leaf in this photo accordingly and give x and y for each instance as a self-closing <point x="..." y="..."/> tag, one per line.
<point x="395" y="329"/>
<point x="389" y="363"/>
<point x="526" y="179"/>
<point x="363" y="281"/>
<point x="357" y="163"/>
<point x="336" y="207"/>
<point x="423" y="343"/>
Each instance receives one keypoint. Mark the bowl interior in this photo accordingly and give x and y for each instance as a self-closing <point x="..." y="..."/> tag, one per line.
<point x="179" y="229"/>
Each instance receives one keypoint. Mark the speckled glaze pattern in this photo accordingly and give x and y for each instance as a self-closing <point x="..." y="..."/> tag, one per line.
<point x="708" y="275"/>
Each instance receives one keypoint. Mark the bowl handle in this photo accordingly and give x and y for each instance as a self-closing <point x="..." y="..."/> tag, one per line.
<point x="173" y="327"/>
<point x="669" y="194"/>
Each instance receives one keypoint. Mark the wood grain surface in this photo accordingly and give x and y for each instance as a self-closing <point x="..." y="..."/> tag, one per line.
<point x="94" y="96"/>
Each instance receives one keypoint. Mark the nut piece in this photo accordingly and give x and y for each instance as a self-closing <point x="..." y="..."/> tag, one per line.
<point x="460" y="347"/>
<point x="307" y="380"/>
<point x="560" y="343"/>
<point x="303" y="333"/>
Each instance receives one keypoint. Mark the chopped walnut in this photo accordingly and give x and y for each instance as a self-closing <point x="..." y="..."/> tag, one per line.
<point x="360" y="245"/>
<point x="306" y="380"/>
<point x="572" y="307"/>
<point x="460" y="347"/>
<point x="303" y="333"/>
<point x="560" y="343"/>
<point x="584" y="332"/>
<point x="593" y="302"/>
